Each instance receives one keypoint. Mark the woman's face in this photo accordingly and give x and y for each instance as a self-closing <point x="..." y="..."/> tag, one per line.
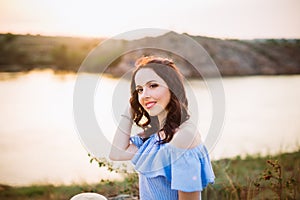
<point x="153" y="92"/>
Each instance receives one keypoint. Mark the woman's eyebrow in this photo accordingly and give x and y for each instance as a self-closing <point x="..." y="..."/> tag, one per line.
<point x="146" y="83"/>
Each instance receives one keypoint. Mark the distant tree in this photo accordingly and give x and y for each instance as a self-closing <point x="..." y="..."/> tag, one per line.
<point x="67" y="59"/>
<point x="8" y="50"/>
<point x="60" y="56"/>
<point x="9" y="37"/>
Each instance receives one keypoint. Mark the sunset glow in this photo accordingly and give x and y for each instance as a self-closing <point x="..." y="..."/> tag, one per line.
<point x="233" y="19"/>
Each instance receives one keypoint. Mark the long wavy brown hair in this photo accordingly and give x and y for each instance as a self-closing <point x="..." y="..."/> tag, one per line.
<point x="177" y="108"/>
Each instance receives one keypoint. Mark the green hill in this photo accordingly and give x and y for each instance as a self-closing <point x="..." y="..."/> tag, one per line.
<point x="26" y="52"/>
<point x="232" y="57"/>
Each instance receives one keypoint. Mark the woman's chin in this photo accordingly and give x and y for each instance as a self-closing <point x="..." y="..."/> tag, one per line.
<point x="153" y="112"/>
<point x="156" y="112"/>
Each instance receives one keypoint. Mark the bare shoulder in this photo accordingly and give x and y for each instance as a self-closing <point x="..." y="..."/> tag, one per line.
<point x="187" y="136"/>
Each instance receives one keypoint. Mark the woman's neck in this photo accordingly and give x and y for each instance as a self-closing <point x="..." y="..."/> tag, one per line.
<point x="162" y="119"/>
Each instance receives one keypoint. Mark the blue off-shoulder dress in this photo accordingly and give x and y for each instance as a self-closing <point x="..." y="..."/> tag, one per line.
<point x="164" y="169"/>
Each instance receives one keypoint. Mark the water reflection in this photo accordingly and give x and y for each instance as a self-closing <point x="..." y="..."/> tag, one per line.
<point x="39" y="142"/>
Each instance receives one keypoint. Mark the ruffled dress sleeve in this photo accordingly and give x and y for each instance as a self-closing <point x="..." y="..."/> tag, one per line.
<point x="186" y="170"/>
<point x="136" y="140"/>
<point x="191" y="169"/>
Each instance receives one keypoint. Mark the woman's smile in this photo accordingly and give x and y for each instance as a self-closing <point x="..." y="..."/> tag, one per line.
<point x="150" y="104"/>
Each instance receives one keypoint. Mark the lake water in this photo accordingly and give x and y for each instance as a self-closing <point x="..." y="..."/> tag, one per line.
<point x="39" y="142"/>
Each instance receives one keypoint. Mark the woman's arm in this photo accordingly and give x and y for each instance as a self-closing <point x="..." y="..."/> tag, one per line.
<point x="121" y="148"/>
<point x="187" y="137"/>
<point x="189" y="195"/>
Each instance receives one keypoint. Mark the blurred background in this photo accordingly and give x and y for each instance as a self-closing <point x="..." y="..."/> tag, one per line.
<point x="255" y="44"/>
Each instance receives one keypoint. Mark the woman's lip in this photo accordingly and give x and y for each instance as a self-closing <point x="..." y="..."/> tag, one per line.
<point x="149" y="105"/>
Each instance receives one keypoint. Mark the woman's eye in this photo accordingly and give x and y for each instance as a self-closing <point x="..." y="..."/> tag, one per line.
<point x="139" y="90"/>
<point x="153" y="85"/>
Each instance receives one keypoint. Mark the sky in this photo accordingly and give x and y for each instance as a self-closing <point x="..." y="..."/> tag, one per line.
<point x="235" y="19"/>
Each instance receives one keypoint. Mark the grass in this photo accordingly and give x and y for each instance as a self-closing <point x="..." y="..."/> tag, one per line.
<point x="253" y="177"/>
<point x="256" y="177"/>
<point x="43" y="192"/>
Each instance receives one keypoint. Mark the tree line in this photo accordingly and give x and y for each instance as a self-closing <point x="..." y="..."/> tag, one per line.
<point x="26" y="52"/>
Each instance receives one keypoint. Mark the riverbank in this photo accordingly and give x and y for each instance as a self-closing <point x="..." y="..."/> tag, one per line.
<point x="252" y="177"/>
<point x="22" y="53"/>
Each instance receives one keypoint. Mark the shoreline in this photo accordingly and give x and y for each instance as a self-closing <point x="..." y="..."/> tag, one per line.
<point x="242" y="178"/>
<point x="246" y="157"/>
<point x="231" y="57"/>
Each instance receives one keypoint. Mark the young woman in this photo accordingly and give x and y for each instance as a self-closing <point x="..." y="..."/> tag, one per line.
<point x="171" y="160"/>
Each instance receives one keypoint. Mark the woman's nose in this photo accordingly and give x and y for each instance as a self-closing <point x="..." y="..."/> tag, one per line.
<point x="145" y="93"/>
